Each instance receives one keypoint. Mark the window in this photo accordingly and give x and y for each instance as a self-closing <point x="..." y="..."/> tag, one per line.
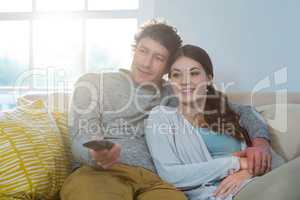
<point x="57" y="44"/>
<point x="112" y="4"/>
<point x="63" y="39"/>
<point x="114" y="50"/>
<point x="15" y="5"/>
<point x="14" y="50"/>
<point x="60" y="5"/>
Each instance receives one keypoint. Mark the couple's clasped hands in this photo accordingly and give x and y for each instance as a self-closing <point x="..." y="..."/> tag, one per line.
<point x="254" y="161"/>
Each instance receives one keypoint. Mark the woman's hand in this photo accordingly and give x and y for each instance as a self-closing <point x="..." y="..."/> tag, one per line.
<point x="231" y="183"/>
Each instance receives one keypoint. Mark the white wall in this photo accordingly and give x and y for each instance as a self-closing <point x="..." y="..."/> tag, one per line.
<point x="248" y="40"/>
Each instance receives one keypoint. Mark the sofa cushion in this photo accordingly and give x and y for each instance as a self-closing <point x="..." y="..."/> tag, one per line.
<point x="60" y="116"/>
<point x="283" y="120"/>
<point x="33" y="161"/>
<point x="279" y="184"/>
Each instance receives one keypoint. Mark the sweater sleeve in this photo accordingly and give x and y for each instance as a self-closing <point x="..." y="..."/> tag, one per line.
<point x="171" y="168"/>
<point x="252" y="121"/>
<point x="84" y="117"/>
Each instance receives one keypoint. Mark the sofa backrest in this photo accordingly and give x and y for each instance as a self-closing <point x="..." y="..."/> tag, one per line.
<point x="257" y="99"/>
<point x="280" y="110"/>
<point x="264" y="98"/>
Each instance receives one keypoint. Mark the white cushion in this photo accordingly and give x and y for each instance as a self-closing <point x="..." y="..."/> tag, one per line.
<point x="283" y="120"/>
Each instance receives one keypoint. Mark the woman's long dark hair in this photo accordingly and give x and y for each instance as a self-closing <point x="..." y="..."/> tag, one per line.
<point x="217" y="109"/>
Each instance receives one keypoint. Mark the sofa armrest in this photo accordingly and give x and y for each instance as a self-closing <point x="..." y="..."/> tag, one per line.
<point x="281" y="183"/>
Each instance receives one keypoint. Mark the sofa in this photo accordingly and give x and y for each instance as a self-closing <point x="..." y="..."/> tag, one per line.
<point x="281" y="111"/>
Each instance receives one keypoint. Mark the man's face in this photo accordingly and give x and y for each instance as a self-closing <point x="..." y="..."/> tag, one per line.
<point x="149" y="61"/>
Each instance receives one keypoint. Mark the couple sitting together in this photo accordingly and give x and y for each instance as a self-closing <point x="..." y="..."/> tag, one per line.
<point x="176" y="139"/>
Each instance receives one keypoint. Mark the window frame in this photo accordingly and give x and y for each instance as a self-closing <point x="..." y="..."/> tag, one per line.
<point x="144" y="12"/>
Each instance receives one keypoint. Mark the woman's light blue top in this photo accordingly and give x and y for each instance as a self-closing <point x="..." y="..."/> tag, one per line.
<point x="218" y="144"/>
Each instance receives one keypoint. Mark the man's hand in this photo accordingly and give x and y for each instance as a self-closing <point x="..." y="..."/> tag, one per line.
<point x="258" y="157"/>
<point x="231" y="183"/>
<point x="107" y="158"/>
<point x="243" y="163"/>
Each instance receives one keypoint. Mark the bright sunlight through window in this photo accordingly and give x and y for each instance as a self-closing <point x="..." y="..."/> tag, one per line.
<point x="73" y="36"/>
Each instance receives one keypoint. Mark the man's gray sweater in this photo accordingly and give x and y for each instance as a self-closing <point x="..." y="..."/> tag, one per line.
<point x="112" y="106"/>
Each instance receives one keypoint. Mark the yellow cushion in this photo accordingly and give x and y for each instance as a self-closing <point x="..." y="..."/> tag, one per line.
<point x="61" y="119"/>
<point x="33" y="160"/>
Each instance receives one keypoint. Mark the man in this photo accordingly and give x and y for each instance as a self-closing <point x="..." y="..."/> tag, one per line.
<point x="114" y="106"/>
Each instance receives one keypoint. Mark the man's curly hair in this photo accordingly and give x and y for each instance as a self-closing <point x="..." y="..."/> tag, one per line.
<point x="163" y="33"/>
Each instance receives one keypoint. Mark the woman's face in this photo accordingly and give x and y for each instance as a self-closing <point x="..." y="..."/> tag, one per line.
<point x="189" y="80"/>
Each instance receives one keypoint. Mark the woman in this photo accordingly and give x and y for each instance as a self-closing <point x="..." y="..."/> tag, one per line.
<point x="192" y="145"/>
